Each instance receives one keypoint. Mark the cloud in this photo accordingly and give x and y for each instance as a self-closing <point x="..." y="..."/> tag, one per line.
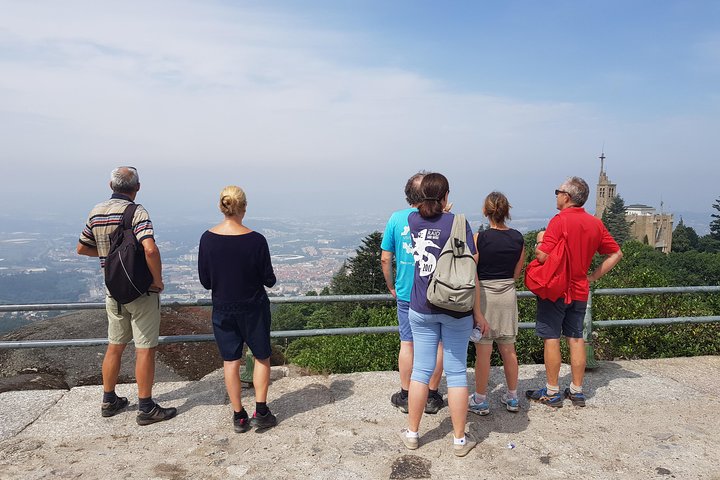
<point x="222" y="92"/>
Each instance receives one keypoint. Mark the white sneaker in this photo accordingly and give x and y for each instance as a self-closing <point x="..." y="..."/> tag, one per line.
<point x="462" y="450"/>
<point x="411" y="443"/>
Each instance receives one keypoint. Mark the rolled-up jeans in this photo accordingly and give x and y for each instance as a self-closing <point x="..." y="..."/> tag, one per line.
<point x="429" y="329"/>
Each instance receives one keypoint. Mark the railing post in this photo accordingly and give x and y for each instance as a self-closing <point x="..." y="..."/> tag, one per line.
<point x="587" y="336"/>
<point x="247" y="373"/>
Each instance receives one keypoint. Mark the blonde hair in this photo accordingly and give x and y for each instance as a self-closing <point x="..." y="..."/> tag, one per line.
<point x="232" y="200"/>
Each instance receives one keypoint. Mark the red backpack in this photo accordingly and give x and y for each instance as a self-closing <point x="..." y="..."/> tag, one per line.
<point x="551" y="280"/>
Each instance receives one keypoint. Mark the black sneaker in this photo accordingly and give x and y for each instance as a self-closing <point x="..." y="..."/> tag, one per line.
<point x="241" y="425"/>
<point x="263" y="421"/>
<point x="434" y="403"/>
<point x="399" y="402"/>
<point x="577" y="399"/>
<point x="157" y="414"/>
<point x="108" y="409"/>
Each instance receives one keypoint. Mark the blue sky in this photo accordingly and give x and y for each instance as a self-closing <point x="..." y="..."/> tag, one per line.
<point x="327" y="107"/>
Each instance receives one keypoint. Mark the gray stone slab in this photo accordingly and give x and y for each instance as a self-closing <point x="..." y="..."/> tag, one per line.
<point x="20" y="409"/>
<point x="640" y="422"/>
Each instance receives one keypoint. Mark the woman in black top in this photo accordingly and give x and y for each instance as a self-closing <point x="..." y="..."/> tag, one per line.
<point x="234" y="262"/>
<point x="501" y="254"/>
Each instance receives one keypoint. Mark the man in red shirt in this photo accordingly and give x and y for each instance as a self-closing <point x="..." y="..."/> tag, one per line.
<point x="586" y="235"/>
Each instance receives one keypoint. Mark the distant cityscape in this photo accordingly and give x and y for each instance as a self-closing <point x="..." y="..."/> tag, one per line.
<point x="40" y="265"/>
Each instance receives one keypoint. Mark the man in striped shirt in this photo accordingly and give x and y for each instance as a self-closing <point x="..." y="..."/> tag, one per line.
<point x="139" y="319"/>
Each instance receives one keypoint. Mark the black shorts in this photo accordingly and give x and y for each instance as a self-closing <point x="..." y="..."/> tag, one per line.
<point x="557" y="318"/>
<point x="236" y="324"/>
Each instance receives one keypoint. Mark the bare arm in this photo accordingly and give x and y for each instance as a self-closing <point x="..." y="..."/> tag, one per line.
<point x="539" y="254"/>
<point x="83" y="249"/>
<point x="152" y="257"/>
<point x="606" y="266"/>
<point x="519" y="265"/>
<point x="386" y="259"/>
<point x="478" y="317"/>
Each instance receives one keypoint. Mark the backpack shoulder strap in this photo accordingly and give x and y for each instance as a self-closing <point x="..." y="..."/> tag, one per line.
<point x="128" y="215"/>
<point x="459" y="235"/>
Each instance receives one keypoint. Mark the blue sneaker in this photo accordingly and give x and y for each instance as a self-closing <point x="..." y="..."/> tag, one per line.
<point x="542" y="396"/>
<point x="482" y="408"/>
<point x="577" y="399"/>
<point x="512" y="404"/>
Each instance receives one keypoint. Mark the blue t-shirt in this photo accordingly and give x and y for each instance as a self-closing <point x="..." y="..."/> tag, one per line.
<point x="396" y="239"/>
<point x="429" y="236"/>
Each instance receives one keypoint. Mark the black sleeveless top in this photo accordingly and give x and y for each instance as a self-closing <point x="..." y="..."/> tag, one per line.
<point x="498" y="253"/>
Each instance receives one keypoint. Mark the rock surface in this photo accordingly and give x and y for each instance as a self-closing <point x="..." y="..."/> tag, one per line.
<point x="644" y="419"/>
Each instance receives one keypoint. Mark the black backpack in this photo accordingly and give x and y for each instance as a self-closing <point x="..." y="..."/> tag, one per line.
<point x="127" y="275"/>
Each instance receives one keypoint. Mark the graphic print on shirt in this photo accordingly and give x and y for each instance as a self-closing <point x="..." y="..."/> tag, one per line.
<point x="407" y="243"/>
<point x="426" y="261"/>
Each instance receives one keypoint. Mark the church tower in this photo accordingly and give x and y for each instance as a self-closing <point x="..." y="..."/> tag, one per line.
<point x="605" y="191"/>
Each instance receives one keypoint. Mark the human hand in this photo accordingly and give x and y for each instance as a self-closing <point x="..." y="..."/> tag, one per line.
<point x="540" y="236"/>
<point x="482" y="324"/>
<point x="156" y="286"/>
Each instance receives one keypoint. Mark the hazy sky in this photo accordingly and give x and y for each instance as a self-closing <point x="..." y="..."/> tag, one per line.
<point x="329" y="106"/>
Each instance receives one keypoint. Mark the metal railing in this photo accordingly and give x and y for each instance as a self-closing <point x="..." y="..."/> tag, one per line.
<point x="589" y="324"/>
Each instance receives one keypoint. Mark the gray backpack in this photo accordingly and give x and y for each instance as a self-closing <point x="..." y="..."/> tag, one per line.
<point x="452" y="285"/>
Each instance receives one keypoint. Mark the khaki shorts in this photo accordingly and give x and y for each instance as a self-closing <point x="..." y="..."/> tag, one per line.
<point x="138" y="320"/>
<point x="508" y="340"/>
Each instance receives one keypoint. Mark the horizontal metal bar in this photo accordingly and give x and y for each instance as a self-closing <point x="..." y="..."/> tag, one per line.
<point x="89" y="342"/>
<point x="644" y="322"/>
<point x="656" y="290"/>
<point x="206" y="302"/>
<point x="49" y="307"/>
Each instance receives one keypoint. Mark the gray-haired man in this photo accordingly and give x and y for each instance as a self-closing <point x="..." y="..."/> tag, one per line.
<point x="139" y="319"/>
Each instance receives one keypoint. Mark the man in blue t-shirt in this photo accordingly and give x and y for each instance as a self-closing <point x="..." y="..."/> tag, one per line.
<point x="397" y="243"/>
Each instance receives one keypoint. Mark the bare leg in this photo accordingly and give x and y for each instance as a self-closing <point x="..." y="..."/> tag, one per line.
<point x="145" y="371"/>
<point x="111" y="365"/>
<point x="552" y="360"/>
<point x="416" y="404"/>
<point x="405" y="363"/>
<point x="482" y="366"/>
<point x="458" y="401"/>
<point x="510" y="364"/>
<point x="231" y="371"/>
<point x="437" y="374"/>
<point x="261" y="379"/>
<point x="577" y="360"/>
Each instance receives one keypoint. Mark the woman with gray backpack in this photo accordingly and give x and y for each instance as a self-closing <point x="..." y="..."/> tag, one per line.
<point x="445" y="274"/>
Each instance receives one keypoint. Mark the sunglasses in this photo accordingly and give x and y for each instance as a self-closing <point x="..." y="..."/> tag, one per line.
<point x="558" y="192"/>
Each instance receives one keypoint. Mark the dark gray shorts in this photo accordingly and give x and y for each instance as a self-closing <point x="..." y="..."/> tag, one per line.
<point x="554" y="319"/>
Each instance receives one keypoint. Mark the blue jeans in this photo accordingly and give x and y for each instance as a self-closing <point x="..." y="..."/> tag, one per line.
<point x="403" y="322"/>
<point x="429" y="329"/>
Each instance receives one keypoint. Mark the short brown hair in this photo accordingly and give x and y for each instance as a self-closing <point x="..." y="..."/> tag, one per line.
<point x="497" y="207"/>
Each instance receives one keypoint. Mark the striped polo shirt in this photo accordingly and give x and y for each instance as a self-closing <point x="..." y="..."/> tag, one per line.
<point x="105" y="217"/>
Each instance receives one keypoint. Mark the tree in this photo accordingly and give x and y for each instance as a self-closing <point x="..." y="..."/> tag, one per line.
<point x="361" y="274"/>
<point x="707" y="243"/>
<point x="614" y="219"/>
<point x="684" y="238"/>
<point x="715" y="224"/>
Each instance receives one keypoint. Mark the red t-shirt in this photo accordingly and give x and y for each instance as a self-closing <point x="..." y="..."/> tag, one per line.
<point x="585" y="236"/>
